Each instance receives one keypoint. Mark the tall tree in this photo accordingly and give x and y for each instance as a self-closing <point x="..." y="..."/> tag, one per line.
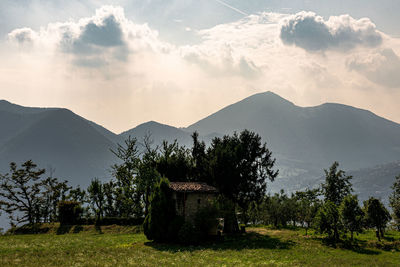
<point x="394" y="201"/>
<point x="96" y="197"/>
<point x="337" y="184"/>
<point x="54" y="191"/>
<point x="126" y="190"/>
<point x="201" y="171"/>
<point x="351" y="215"/>
<point x="20" y="190"/>
<point x="148" y="176"/>
<point x="376" y="215"/>
<point x="308" y="206"/>
<point x="174" y="162"/>
<point x="161" y="213"/>
<point x="240" y="166"/>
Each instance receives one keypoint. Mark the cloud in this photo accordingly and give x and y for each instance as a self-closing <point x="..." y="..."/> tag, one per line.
<point x="342" y="33"/>
<point x="96" y="41"/>
<point x="381" y="68"/>
<point x="23" y="36"/>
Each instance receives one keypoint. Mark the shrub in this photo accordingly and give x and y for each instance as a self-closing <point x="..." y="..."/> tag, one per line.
<point x="119" y="221"/>
<point x="205" y="220"/>
<point x="69" y="212"/>
<point x="187" y="234"/>
<point x="174" y="228"/>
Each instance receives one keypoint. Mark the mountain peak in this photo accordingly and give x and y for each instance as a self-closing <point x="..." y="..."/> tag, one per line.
<point x="266" y="98"/>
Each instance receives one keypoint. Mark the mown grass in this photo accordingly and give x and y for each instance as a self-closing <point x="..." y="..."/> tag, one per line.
<point x="121" y="246"/>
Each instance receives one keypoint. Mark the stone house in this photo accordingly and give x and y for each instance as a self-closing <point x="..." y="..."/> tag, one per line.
<point x="191" y="196"/>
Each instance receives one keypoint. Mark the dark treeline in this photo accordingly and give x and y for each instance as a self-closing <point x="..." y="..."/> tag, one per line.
<point x="239" y="166"/>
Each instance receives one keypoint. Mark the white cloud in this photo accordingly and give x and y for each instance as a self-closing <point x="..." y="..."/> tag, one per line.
<point x="382" y="67"/>
<point x="313" y="33"/>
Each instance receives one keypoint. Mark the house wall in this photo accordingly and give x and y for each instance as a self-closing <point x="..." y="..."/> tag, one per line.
<point x="194" y="201"/>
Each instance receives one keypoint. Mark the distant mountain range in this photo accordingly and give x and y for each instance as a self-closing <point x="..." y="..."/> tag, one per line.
<point x="305" y="140"/>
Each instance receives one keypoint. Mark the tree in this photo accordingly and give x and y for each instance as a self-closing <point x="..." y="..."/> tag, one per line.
<point x="20" y="190"/>
<point x="376" y="215"/>
<point x="127" y="200"/>
<point x="161" y="213"/>
<point x="109" y="199"/>
<point x="351" y="214"/>
<point x="96" y="197"/>
<point x="240" y="167"/>
<point x="394" y="202"/>
<point x="69" y="212"/>
<point x="327" y="220"/>
<point x="174" y="162"/>
<point x="54" y="192"/>
<point x="148" y="176"/>
<point x="337" y="185"/>
<point x="308" y="206"/>
<point x="201" y="171"/>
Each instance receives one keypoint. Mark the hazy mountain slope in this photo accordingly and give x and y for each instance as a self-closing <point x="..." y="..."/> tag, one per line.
<point x="59" y="139"/>
<point x="311" y="137"/>
<point x="375" y="181"/>
<point x="159" y="132"/>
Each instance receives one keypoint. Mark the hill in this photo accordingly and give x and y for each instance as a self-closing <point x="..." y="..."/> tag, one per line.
<point x="55" y="138"/>
<point x="307" y="139"/>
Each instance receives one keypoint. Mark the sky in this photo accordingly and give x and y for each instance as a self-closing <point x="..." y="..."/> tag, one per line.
<point x="122" y="63"/>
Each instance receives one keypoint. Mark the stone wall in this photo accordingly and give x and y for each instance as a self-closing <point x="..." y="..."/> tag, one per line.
<point x="187" y="204"/>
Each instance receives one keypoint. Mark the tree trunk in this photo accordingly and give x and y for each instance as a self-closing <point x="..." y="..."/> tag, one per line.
<point x="336" y="234"/>
<point x="378" y="235"/>
<point x="351" y="233"/>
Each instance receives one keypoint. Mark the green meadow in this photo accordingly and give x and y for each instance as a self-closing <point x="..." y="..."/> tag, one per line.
<point x="127" y="246"/>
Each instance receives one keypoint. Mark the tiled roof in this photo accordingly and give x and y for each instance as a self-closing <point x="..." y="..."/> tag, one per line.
<point x="192" y="187"/>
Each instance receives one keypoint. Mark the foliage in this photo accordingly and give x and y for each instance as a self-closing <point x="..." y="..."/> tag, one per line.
<point x="308" y="206"/>
<point x="337" y="184"/>
<point x="376" y="215"/>
<point x="394" y="201"/>
<point x="240" y="167"/>
<point x="20" y="192"/>
<point x="187" y="234"/>
<point x="174" y="162"/>
<point x="127" y="198"/>
<point x="327" y="220"/>
<point x="96" y="197"/>
<point x="351" y="215"/>
<point x="205" y="220"/>
<point x="69" y="212"/>
<point x="161" y="213"/>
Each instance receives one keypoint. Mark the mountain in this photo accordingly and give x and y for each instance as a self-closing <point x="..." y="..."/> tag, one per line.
<point x="304" y="140"/>
<point x="307" y="139"/>
<point x="158" y="132"/>
<point x="78" y="150"/>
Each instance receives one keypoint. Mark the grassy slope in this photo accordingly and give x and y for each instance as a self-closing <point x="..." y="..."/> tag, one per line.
<point x="121" y="247"/>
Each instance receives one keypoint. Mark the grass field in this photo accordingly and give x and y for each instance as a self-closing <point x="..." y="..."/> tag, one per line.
<point x="124" y="246"/>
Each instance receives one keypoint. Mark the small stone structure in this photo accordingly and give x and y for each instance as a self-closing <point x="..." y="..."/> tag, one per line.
<point x="191" y="196"/>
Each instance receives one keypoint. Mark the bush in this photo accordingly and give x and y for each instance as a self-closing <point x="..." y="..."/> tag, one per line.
<point x="69" y="212"/>
<point x="187" y="234"/>
<point x="119" y="221"/>
<point x="174" y="228"/>
<point x="205" y="220"/>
